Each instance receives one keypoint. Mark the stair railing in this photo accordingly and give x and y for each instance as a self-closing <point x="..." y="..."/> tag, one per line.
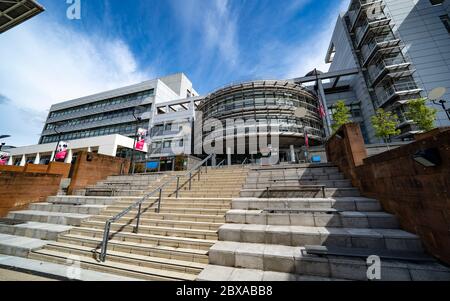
<point x="245" y="162"/>
<point x="221" y="164"/>
<point x="196" y="170"/>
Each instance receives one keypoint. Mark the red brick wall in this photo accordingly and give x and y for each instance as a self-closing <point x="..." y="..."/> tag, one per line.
<point x="417" y="195"/>
<point x="19" y="189"/>
<point x="36" y="168"/>
<point x="91" y="168"/>
<point x="59" y="168"/>
<point x="12" y="168"/>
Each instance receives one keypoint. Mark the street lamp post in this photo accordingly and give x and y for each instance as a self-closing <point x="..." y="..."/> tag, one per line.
<point x="436" y="97"/>
<point x="57" y="143"/>
<point x="137" y="111"/>
<point x="3" y="137"/>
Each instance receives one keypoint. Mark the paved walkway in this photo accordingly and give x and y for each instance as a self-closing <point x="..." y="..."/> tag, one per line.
<point x="8" y="275"/>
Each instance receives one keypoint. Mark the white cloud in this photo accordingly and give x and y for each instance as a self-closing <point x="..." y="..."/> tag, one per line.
<point x="311" y="53"/>
<point x="44" y="63"/>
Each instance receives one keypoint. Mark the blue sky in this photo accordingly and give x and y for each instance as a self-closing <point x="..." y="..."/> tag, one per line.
<point x="50" y="58"/>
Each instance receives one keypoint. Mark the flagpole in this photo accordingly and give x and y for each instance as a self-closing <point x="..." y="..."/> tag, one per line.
<point x="305" y="133"/>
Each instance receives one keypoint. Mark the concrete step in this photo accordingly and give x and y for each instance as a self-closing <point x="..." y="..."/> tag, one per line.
<point x="221" y="273"/>
<point x="156" y="230"/>
<point x="190" y="194"/>
<point x="117" y="268"/>
<point x="159" y="223"/>
<point x="35" y="230"/>
<point x="80" y="209"/>
<point x="18" y="245"/>
<point x="287" y="259"/>
<point x="165" y="204"/>
<point x="149" y="239"/>
<point x="56" y="271"/>
<point x="168" y="216"/>
<point x="256" y="178"/>
<point x="72" y="219"/>
<point x="390" y="239"/>
<point x="152" y="250"/>
<point x="86" y="200"/>
<point x="167" y="209"/>
<point x="112" y="193"/>
<point x="129" y="258"/>
<point x="301" y="193"/>
<point x="314" y="218"/>
<point x="342" y="204"/>
<point x="327" y="183"/>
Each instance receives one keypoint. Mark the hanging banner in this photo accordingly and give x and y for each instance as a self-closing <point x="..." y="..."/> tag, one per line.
<point x="4" y="158"/>
<point x="61" y="151"/>
<point x="140" y="140"/>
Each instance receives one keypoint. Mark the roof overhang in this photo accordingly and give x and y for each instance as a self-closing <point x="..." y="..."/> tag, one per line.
<point x="14" y="12"/>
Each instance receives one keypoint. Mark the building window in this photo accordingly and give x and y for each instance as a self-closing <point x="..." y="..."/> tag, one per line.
<point x="436" y="2"/>
<point x="446" y="20"/>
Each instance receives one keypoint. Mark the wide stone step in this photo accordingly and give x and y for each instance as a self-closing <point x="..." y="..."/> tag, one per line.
<point x="159" y="223"/>
<point x="390" y="239"/>
<point x="169" y="216"/>
<point x="299" y="182"/>
<point x="18" y="245"/>
<point x="157" y="230"/>
<point x="118" y="268"/>
<point x="299" y="192"/>
<point x="166" y="204"/>
<point x="314" y="218"/>
<point x="56" y="271"/>
<point x="86" y="200"/>
<point x="152" y="250"/>
<point x="72" y="219"/>
<point x="80" y="209"/>
<point x="256" y="178"/>
<point x="112" y="193"/>
<point x="150" y="239"/>
<point x="167" y="209"/>
<point x="190" y="194"/>
<point x="222" y="273"/>
<point x="161" y="263"/>
<point x="287" y="259"/>
<point x="35" y="230"/>
<point x="342" y="204"/>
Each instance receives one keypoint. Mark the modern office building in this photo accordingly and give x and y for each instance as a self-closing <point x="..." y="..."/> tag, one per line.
<point x="14" y="12"/>
<point x="401" y="49"/>
<point x="107" y="122"/>
<point x="256" y="110"/>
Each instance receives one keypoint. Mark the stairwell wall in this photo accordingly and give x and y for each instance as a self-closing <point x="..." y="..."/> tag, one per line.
<point x="419" y="196"/>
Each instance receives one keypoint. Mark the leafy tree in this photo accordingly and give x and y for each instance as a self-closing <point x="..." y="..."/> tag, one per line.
<point x="421" y="114"/>
<point x="341" y="115"/>
<point x="385" y="125"/>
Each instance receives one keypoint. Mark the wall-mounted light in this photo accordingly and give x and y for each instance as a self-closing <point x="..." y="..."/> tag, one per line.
<point x="428" y="158"/>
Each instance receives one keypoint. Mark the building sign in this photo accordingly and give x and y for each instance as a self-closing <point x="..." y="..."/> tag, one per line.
<point x="140" y="141"/>
<point x="61" y="151"/>
<point x="4" y="158"/>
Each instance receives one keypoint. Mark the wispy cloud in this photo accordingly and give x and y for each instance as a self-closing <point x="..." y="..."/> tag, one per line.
<point x="49" y="63"/>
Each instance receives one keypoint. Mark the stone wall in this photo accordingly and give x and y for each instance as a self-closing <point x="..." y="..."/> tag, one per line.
<point x="419" y="196"/>
<point x="19" y="189"/>
<point x="91" y="168"/>
<point x="52" y="168"/>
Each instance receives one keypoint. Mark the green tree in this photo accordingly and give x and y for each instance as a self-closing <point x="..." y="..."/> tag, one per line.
<point x="341" y="115"/>
<point x="385" y="125"/>
<point x="422" y="115"/>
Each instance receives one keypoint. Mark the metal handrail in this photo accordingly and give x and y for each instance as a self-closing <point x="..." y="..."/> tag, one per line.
<point x="221" y="164"/>
<point x="139" y="203"/>
<point x="245" y="161"/>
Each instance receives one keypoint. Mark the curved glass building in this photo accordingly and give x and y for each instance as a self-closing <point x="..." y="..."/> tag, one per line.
<point x="261" y="110"/>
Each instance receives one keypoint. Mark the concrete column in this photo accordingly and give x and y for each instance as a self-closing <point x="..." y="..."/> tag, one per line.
<point x="10" y="161"/>
<point x="37" y="160"/>
<point x="89" y="149"/>
<point x="69" y="156"/>
<point x="229" y="156"/>
<point x="23" y="161"/>
<point x="52" y="157"/>
<point x="293" y="154"/>
<point x="213" y="160"/>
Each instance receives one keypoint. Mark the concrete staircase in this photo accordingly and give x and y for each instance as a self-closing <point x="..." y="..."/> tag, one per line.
<point x="296" y="234"/>
<point x="170" y="245"/>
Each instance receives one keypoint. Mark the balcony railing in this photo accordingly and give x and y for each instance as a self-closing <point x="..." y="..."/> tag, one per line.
<point x="355" y="14"/>
<point x="362" y="30"/>
<point x="385" y="64"/>
<point x="165" y="133"/>
<point x="393" y="89"/>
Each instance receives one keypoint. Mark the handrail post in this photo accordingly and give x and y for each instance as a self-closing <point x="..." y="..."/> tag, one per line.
<point x="178" y="186"/>
<point x="159" y="201"/>
<point x="199" y="173"/>
<point x="136" y="229"/>
<point x="105" y="241"/>
<point x="190" y="181"/>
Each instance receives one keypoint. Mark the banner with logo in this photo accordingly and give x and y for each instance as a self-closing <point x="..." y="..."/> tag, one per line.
<point x="61" y="151"/>
<point x="4" y="158"/>
<point x="140" y="140"/>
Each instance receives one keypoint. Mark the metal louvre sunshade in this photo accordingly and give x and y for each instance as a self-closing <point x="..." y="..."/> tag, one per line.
<point x="14" y="12"/>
